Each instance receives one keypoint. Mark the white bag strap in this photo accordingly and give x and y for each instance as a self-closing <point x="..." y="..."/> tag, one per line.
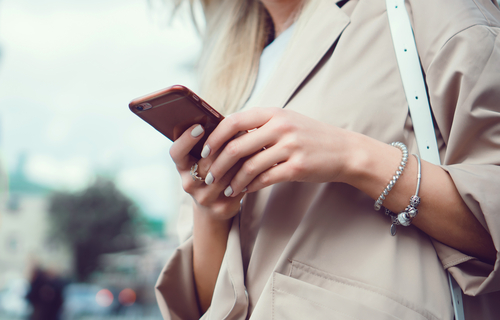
<point x="413" y="80"/>
<point x="418" y="103"/>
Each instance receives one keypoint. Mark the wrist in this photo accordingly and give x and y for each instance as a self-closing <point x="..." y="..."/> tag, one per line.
<point x="370" y="165"/>
<point x="219" y="209"/>
<point x="209" y="220"/>
<point x="357" y="160"/>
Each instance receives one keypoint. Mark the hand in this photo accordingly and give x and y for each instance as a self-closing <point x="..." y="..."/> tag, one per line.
<point x="286" y="146"/>
<point x="208" y="199"/>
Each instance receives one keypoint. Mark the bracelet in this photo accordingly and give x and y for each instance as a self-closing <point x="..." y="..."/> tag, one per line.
<point x="406" y="216"/>
<point x="402" y="165"/>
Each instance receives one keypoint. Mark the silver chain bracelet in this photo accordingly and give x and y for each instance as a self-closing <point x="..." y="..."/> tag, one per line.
<point x="406" y="216"/>
<point x="395" y="177"/>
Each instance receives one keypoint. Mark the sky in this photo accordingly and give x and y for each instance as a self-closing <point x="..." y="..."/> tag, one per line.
<point x="68" y="69"/>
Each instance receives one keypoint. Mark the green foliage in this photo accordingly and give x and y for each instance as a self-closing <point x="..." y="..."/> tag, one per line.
<point x="97" y="220"/>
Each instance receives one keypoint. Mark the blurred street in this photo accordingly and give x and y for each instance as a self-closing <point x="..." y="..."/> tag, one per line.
<point x="151" y="316"/>
<point x="88" y="193"/>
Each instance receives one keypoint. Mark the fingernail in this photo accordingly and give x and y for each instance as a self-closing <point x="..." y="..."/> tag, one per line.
<point x="209" y="178"/>
<point x="206" y="151"/>
<point x="244" y="190"/>
<point x="228" y="192"/>
<point x="196" y="131"/>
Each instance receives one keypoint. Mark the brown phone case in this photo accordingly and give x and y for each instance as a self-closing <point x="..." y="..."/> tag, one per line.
<point x="173" y="110"/>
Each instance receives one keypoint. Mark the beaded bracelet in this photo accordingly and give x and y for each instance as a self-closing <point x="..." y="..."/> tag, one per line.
<point x="406" y="216"/>
<point x="402" y="165"/>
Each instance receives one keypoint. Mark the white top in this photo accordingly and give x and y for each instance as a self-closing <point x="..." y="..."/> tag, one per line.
<point x="269" y="59"/>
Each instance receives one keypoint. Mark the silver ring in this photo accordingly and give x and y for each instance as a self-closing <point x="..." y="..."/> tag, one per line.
<point x="194" y="173"/>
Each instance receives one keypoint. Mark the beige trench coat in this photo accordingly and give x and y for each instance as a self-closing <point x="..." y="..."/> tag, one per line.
<point x="320" y="251"/>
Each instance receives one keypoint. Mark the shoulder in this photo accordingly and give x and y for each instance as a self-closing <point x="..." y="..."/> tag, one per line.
<point x="453" y="14"/>
<point x="436" y="22"/>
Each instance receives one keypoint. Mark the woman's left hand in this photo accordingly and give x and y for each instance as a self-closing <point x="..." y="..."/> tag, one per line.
<point x="285" y="146"/>
<point x="298" y="148"/>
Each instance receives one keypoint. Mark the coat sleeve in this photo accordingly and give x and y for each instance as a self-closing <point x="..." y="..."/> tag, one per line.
<point x="175" y="288"/>
<point x="464" y="91"/>
<point x="176" y="291"/>
<point x="185" y="217"/>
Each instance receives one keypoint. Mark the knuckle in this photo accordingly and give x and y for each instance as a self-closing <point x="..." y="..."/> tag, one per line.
<point x="203" y="200"/>
<point x="265" y="178"/>
<point x="291" y="147"/>
<point x="233" y="148"/>
<point x="233" y="121"/>
<point x="187" y="185"/>
<point x="290" y="144"/>
<point x="249" y="167"/>
<point x="173" y="154"/>
<point x="284" y="126"/>
<point x="204" y="167"/>
<point x="297" y="167"/>
<point x="274" y="110"/>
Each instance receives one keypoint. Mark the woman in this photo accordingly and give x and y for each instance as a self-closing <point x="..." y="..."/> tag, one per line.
<point x="306" y="242"/>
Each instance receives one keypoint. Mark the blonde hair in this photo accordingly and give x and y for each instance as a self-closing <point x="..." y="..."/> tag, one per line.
<point x="235" y="34"/>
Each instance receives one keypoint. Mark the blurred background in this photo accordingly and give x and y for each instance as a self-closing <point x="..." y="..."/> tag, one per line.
<point x="88" y="193"/>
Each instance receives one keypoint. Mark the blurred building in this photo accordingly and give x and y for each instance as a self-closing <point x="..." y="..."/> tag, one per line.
<point x="25" y="237"/>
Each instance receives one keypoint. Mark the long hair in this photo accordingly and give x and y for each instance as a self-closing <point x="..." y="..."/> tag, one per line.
<point x="234" y="36"/>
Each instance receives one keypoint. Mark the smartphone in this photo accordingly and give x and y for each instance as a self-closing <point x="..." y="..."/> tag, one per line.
<point x="173" y="110"/>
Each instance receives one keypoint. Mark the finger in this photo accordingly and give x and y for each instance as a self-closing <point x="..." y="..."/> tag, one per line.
<point x="182" y="146"/>
<point x="203" y="165"/>
<point x="256" y="165"/>
<point x="275" y="174"/>
<point x="225" y="182"/>
<point x="239" y="148"/>
<point x="190" y="184"/>
<point x="206" y="195"/>
<point x="233" y="124"/>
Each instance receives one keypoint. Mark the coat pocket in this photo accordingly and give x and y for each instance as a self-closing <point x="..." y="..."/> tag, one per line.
<point x="309" y="293"/>
<point x="294" y="299"/>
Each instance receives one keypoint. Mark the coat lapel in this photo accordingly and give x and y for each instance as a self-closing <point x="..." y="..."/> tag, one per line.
<point x="308" y="45"/>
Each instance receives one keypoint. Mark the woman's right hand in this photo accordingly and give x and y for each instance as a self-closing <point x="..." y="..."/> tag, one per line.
<point x="212" y="213"/>
<point x="208" y="199"/>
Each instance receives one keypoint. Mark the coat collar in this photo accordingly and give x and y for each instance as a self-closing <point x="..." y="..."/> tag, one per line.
<point x="308" y="45"/>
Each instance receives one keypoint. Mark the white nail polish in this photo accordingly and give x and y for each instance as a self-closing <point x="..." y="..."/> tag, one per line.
<point x="244" y="190"/>
<point x="196" y="131"/>
<point x="206" y="151"/>
<point x="209" y="178"/>
<point x="228" y="192"/>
